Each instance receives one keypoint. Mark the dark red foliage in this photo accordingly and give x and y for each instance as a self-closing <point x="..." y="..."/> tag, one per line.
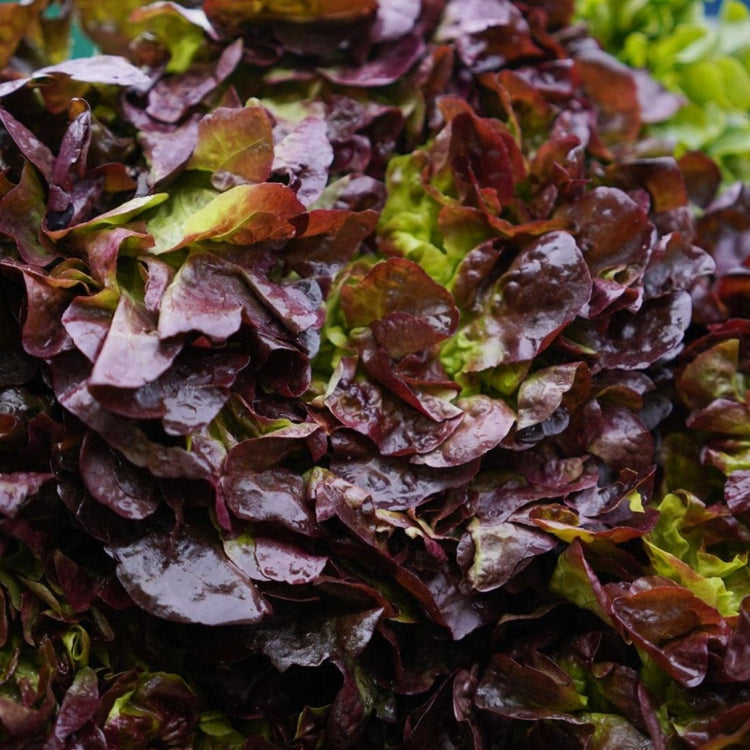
<point x="364" y="385"/>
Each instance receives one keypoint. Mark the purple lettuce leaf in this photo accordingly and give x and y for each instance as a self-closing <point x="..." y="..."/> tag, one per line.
<point x="526" y="309"/>
<point x="727" y="725"/>
<point x="264" y="557"/>
<point x="68" y="170"/>
<point x="105" y="70"/>
<point x="126" y="489"/>
<point x="616" y="435"/>
<point x="702" y="177"/>
<point x="737" y="492"/>
<point x="326" y="240"/>
<point x="487" y="33"/>
<point x="70" y="375"/>
<point x="676" y="628"/>
<point x="485" y="422"/>
<point x="478" y="154"/>
<point x="336" y="638"/>
<point x="132" y="354"/>
<point x="296" y="304"/>
<point x="394" y="19"/>
<point x="634" y="341"/>
<point x="390" y="62"/>
<point x="395" y="427"/>
<point x="168" y="152"/>
<point x="274" y="495"/>
<point x="672" y="624"/>
<point x="87" y="321"/>
<point x="256" y="485"/>
<point x="614" y="88"/>
<point x="675" y="265"/>
<point x="21" y="213"/>
<point x="736" y="665"/>
<point x="414" y="378"/>
<point x="206" y="295"/>
<point x="304" y="156"/>
<point x="182" y="578"/>
<point x="159" y="705"/>
<point x="491" y="554"/>
<point x="661" y="177"/>
<point x="656" y="104"/>
<point x="617" y="253"/>
<point x="185" y="398"/>
<point x="537" y="690"/>
<point x="434" y="586"/>
<point x="43" y="333"/>
<point x="23" y="721"/>
<point x="546" y="390"/>
<point x="405" y="309"/>
<point x="393" y="484"/>
<point x="76" y="710"/>
<point x="379" y="434"/>
<point x="173" y="96"/>
<point x="723" y="229"/>
<point x="28" y="144"/>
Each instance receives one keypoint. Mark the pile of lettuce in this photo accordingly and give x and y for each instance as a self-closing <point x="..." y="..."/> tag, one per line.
<point x="706" y="60"/>
<point x="365" y="383"/>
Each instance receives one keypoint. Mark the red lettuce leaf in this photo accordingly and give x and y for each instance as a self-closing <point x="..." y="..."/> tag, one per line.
<point x="132" y="354"/>
<point x="126" y="489"/>
<point x="335" y="638"/>
<point x="70" y="375"/>
<point x="186" y="397"/>
<point x="391" y="61"/>
<point x="268" y="558"/>
<point x="21" y="215"/>
<point x="304" y="156"/>
<point x="405" y="309"/>
<point x="634" y="341"/>
<point x="526" y="309"/>
<point x="158" y="705"/>
<point x="395" y="427"/>
<point x="533" y="691"/>
<point x="394" y="485"/>
<point x="270" y="496"/>
<point x="484" y="424"/>
<point x="491" y="554"/>
<point x="182" y="578"/>
<point x="487" y="33"/>
<point x="172" y="97"/>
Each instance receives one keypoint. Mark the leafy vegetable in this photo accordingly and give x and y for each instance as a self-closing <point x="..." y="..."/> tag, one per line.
<point x="705" y="62"/>
<point x="370" y="378"/>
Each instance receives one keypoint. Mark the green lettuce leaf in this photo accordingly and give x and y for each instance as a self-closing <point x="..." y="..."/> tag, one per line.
<point x="678" y="549"/>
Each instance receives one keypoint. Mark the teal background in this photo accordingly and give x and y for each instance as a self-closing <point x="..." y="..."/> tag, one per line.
<point x="82" y="45"/>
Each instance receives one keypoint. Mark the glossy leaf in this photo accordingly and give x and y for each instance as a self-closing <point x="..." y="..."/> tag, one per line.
<point x="406" y="310"/>
<point x="183" y="579"/>
<point x="527" y="307"/>
<point x="235" y="145"/>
